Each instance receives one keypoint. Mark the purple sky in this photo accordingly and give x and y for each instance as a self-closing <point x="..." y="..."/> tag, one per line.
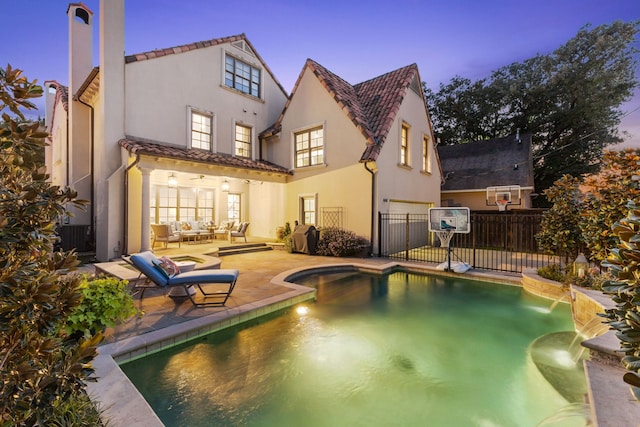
<point x="357" y="40"/>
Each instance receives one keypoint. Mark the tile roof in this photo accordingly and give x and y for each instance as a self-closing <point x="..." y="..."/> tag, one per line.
<point x="371" y="105"/>
<point x="150" y="148"/>
<point x="481" y="164"/>
<point x="62" y="93"/>
<point x="158" y="53"/>
<point x="380" y="99"/>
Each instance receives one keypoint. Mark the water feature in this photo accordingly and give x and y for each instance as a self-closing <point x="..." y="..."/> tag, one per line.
<point x="402" y="349"/>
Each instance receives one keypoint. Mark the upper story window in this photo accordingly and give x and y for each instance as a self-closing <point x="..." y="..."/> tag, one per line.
<point x="242" y="141"/>
<point x="426" y="159"/>
<point x="201" y="135"/>
<point x="404" y="145"/>
<point x="309" y="147"/>
<point x="241" y="76"/>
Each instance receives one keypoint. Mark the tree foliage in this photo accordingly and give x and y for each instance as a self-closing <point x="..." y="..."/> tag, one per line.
<point x="605" y="201"/>
<point x="560" y="232"/>
<point x="569" y="100"/>
<point x="40" y="366"/>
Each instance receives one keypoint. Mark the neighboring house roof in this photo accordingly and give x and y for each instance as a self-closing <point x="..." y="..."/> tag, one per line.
<point x="150" y="148"/>
<point x="481" y="164"/>
<point x="371" y="105"/>
<point x="158" y="53"/>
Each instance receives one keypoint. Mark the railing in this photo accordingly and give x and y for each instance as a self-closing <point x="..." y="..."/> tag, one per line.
<point x="497" y="241"/>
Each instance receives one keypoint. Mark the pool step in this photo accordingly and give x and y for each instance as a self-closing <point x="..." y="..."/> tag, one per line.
<point x="243" y="249"/>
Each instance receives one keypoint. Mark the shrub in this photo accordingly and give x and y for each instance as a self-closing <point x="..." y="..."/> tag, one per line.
<point x="106" y="301"/>
<point x="39" y="366"/>
<point x="338" y="242"/>
<point x="553" y="272"/>
<point x="624" y="264"/>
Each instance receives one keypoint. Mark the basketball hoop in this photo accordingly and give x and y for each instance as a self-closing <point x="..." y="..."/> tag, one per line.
<point x="502" y="205"/>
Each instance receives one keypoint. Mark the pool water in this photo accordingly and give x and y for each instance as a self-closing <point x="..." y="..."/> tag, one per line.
<point x="396" y="350"/>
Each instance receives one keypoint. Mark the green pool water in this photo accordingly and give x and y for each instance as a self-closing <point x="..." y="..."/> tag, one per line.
<point x="397" y="350"/>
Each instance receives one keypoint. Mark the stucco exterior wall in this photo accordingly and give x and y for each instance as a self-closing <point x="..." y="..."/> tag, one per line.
<point x="398" y="182"/>
<point x="313" y="106"/>
<point x="348" y="188"/>
<point x="56" y="153"/>
<point x="160" y="90"/>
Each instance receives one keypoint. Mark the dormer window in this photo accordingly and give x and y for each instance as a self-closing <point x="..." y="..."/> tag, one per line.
<point x="241" y="76"/>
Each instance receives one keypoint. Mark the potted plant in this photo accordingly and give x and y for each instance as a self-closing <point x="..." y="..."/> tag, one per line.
<point x="106" y="302"/>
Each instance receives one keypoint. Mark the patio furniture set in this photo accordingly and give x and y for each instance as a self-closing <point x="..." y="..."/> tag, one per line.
<point x="197" y="232"/>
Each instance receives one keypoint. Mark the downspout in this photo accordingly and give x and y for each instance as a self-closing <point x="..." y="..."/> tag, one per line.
<point x="93" y="178"/>
<point x="373" y="173"/>
<point x="125" y="238"/>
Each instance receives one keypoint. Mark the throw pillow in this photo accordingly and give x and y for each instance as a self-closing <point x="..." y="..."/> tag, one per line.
<point x="170" y="265"/>
<point x="167" y="266"/>
<point x="186" y="226"/>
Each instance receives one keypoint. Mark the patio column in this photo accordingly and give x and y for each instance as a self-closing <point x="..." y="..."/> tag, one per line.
<point x="145" y="234"/>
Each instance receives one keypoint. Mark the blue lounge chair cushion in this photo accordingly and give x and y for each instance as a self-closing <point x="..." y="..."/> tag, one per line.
<point x="204" y="276"/>
<point x="144" y="261"/>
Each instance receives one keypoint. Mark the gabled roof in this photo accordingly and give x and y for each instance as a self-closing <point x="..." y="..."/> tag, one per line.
<point x="156" y="149"/>
<point x="481" y="164"/>
<point x="372" y="105"/>
<point x="158" y="53"/>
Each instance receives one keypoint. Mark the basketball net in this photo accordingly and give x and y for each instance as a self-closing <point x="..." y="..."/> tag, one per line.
<point x="445" y="237"/>
<point x="502" y="205"/>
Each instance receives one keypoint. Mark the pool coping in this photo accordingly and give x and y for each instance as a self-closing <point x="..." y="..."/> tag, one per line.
<point x="120" y="401"/>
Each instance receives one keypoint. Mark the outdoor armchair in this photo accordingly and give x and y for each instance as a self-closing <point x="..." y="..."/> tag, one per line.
<point x="163" y="233"/>
<point x="150" y="265"/>
<point x="240" y="232"/>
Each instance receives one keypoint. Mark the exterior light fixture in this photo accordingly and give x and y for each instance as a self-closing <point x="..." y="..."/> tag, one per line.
<point x="225" y="186"/>
<point x="173" y="180"/>
<point x="580" y="265"/>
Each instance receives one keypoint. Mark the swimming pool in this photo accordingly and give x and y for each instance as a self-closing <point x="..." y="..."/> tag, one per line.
<point x="400" y="349"/>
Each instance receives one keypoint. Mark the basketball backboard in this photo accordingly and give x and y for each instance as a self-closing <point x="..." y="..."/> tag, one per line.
<point x="503" y="195"/>
<point x="456" y="220"/>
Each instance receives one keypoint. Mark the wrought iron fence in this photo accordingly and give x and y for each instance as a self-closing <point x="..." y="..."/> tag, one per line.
<point x="497" y="241"/>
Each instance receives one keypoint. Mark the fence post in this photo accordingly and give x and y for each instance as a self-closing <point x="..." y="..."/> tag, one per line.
<point x="406" y="234"/>
<point x="379" y="234"/>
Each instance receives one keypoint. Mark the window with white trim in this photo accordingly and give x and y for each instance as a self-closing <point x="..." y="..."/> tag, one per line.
<point x="308" y="212"/>
<point x="170" y="204"/>
<point x="309" y="147"/>
<point x="404" y="145"/>
<point x="242" y="141"/>
<point x="201" y="134"/>
<point x="426" y="159"/>
<point x="241" y="76"/>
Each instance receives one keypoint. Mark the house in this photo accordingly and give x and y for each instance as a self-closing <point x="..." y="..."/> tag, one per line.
<point x="479" y="173"/>
<point x="204" y="133"/>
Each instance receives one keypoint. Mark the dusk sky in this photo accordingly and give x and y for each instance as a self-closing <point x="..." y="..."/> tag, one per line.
<point x="357" y="40"/>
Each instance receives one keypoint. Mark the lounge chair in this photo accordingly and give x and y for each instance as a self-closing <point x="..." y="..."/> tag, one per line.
<point x="240" y="232"/>
<point x="148" y="264"/>
<point x="163" y="233"/>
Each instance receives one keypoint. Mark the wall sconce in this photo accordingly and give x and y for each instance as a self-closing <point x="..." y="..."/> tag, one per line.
<point x="225" y="186"/>
<point x="173" y="180"/>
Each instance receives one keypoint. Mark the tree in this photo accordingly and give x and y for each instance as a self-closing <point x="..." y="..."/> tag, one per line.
<point x="42" y="368"/>
<point x="559" y="229"/>
<point x="569" y="100"/>
<point x="605" y="201"/>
